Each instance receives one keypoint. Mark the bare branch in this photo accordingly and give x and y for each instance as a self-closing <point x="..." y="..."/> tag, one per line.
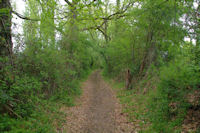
<point x="106" y="35"/>
<point x="23" y="17"/>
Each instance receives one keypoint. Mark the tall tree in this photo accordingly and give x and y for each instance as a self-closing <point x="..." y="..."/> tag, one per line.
<point x="5" y="28"/>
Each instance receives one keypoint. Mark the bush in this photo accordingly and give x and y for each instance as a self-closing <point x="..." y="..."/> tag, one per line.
<point x="40" y="76"/>
<point x="169" y="104"/>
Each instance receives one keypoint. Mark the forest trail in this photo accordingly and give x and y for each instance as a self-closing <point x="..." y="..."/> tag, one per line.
<point x="97" y="110"/>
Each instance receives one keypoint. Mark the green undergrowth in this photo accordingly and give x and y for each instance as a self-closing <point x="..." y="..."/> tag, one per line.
<point x="44" y="115"/>
<point x="45" y="118"/>
<point x="159" y="102"/>
<point x="31" y="103"/>
<point x="134" y="103"/>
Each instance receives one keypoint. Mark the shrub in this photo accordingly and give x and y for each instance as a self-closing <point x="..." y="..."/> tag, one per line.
<point x="169" y="104"/>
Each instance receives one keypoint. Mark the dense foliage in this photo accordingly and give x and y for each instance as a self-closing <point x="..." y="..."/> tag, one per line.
<point x="45" y="72"/>
<point x="140" y="42"/>
<point x="150" y="44"/>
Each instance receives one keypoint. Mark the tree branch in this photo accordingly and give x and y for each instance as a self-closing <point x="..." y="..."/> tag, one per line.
<point x="23" y="17"/>
<point x="106" y="36"/>
<point x="69" y="3"/>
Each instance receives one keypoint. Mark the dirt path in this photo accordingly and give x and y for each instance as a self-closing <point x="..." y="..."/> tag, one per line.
<point x="97" y="111"/>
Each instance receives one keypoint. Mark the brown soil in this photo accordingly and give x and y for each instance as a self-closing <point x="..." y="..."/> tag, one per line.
<point x="97" y="111"/>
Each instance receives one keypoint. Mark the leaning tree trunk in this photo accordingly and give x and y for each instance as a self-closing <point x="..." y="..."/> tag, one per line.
<point x="5" y="28"/>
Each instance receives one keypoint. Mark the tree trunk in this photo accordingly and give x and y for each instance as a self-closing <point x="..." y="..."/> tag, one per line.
<point x="128" y="79"/>
<point x="73" y="26"/>
<point x="116" y="21"/>
<point x="5" y="28"/>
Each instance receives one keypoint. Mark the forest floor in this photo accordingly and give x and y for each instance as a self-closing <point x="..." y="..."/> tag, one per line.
<point x="97" y="110"/>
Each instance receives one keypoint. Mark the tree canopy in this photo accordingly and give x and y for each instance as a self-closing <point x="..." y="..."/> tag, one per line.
<point x="132" y="41"/>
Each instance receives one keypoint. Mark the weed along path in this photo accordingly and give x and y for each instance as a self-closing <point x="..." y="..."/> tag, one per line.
<point x="96" y="111"/>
